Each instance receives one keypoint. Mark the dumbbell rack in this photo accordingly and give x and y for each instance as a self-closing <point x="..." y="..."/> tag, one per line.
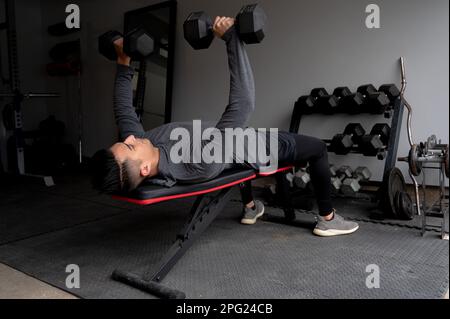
<point x="394" y="139"/>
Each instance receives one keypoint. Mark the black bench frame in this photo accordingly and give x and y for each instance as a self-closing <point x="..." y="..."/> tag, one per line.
<point x="207" y="206"/>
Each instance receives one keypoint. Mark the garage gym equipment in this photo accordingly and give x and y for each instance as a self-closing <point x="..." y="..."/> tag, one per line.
<point x="339" y="176"/>
<point x="302" y="178"/>
<point x="376" y="142"/>
<point x="352" y="184"/>
<point x="212" y="196"/>
<point x="375" y="102"/>
<point x="429" y="152"/>
<point x="306" y="103"/>
<point x="342" y="144"/>
<point x="341" y="93"/>
<point x="250" y="22"/>
<point x="18" y="97"/>
<point x="356" y="101"/>
<point x="137" y="44"/>
<point x="353" y="103"/>
<point x="328" y="104"/>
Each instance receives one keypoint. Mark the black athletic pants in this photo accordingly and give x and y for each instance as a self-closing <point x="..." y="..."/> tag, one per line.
<point x="314" y="152"/>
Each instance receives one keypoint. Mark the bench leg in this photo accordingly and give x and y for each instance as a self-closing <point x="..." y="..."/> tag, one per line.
<point x="203" y="212"/>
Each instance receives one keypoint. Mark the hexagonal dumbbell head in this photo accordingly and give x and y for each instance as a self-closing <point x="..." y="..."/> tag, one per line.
<point x="138" y="44"/>
<point x="378" y="103"/>
<point x="363" y="173"/>
<point x="336" y="183"/>
<point x="318" y="92"/>
<point x="345" y="171"/>
<point x="391" y="90"/>
<point x="198" y="30"/>
<point x="341" y="92"/>
<point x="383" y="131"/>
<point x="353" y="104"/>
<point x="328" y="104"/>
<point x="306" y="104"/>
<point x="356" y="131"/>
<point x="367" y="89"/>
<point x="350" y="186"/>
<point x="371" y="145"/>
<point x="250" y="23"/>
<point x="302" y="179"/>
<point x="106" y="44"/>
<point x="341" y="144"/>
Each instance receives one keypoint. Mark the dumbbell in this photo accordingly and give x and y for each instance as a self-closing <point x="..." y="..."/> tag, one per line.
<point x="341" y="93"/>
<point x="375" y="102"/>
<point x="353" y="103"/>
<point x="308" y="103"/>
<point x="137" y="44"/>
<point x="393" y="93"/>
<point x="342" y="144"/>
<point x="352" y="185"/>
<point x="340" y="176"/>
<point x="328" y="104"/>
<point x="376" y="142"/>
<point x="250" y="22"/>
<point x="302" y="178"/>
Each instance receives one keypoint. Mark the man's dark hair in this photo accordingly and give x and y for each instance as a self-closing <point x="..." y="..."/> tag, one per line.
<point x="109" y="176"/>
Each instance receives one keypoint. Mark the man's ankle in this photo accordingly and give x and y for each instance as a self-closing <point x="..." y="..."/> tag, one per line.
<point x="251" y="205"/>
<point x="330" y="216"/>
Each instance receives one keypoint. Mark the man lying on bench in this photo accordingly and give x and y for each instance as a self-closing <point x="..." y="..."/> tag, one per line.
<point x="148" y="155"/>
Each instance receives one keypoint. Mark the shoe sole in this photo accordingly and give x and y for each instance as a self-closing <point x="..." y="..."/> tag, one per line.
<point x="334" y="232"/>
<point x="248" y="221"/>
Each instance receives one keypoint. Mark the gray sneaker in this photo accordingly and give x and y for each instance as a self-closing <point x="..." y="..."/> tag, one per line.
<point x="251" y="215"/>
<point x="335" y="227"/>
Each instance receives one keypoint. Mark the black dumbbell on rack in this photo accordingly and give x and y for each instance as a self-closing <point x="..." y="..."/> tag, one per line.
<point x="375" y="102"/>
<point x="393" y="94"/>
<point x="250" y="22"/>
<point x="308" y="103"/>
<point x="376" y="143"/>
<point x="328" y="104"/>
<point x="342" y="144"/>
<point x="137" y="44"/>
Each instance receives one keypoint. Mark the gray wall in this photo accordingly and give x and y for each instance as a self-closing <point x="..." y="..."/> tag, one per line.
<point x="325" y="43"/>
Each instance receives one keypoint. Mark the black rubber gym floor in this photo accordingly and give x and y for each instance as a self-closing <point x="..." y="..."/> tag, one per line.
<point x="44" y="230"/>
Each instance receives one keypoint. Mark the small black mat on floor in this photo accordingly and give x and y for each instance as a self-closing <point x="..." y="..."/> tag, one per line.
<point x="235" y="261"/>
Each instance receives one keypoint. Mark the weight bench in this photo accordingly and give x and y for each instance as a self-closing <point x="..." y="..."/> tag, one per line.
<point x="212" y="196"/>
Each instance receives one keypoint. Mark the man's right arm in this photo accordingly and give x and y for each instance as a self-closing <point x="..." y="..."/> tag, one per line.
<point x="242" y="87"/>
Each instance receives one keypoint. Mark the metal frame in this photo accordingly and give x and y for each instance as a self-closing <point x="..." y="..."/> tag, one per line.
<point x="203" y="212"/>
<point x="16" y="94"/>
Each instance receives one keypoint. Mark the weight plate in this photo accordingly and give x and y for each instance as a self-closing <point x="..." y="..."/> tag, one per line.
<point x="393" y="183"/>
<point x="406" y="208"/>
<point x="414" y="165"/>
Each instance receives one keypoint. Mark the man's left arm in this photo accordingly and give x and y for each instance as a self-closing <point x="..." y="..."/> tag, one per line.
<point x="124" y="111"/>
